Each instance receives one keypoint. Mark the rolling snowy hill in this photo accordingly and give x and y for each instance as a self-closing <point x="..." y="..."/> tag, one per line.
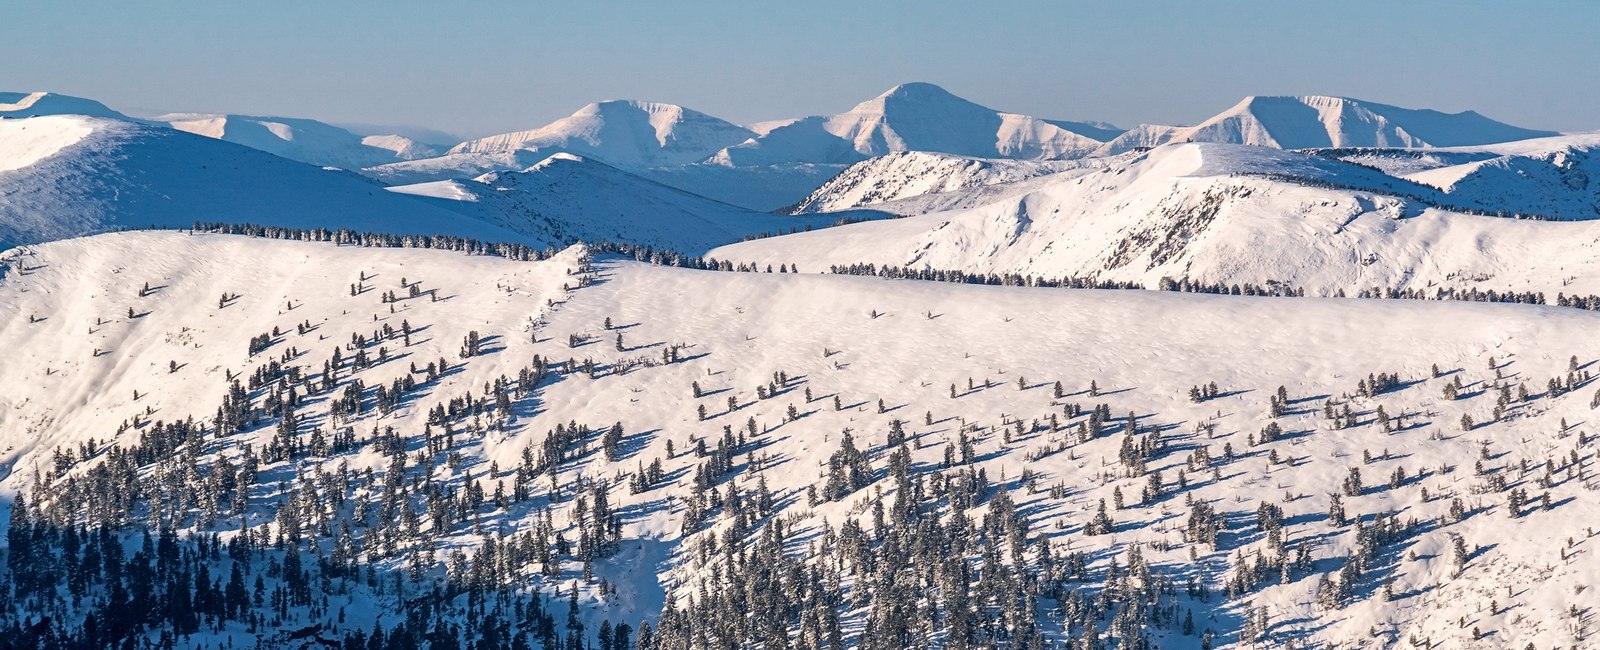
<point x="1320" y="121"/>
<point x="1219" y="214"/>
<point x="567" y="198"/>
<point x="793" y="454"/>
<point x="307" y="141"/>
<point x="63" y="176"/>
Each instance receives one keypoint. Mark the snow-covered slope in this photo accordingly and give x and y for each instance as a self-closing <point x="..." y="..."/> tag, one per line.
<point x="899" y="176"/>
<point x="622" y="133"/>
<point x="910" y="117"/>
<point x="1320" y="121"/>
<point x="307" y="141"/>
<point x="62" y="176"/>
<point x="567" y="198"/>
<point x="20" y="105"/>
<point x="1220" y="214"/>
<point x="1327" y="533"/>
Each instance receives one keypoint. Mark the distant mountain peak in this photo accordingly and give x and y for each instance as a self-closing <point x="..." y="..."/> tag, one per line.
<point x="625" y="132"/>
<point x="34" y="104"/>
<point x="919" y="90"/>
<point x="916" y="116"/>
<point x="917" y="95"/>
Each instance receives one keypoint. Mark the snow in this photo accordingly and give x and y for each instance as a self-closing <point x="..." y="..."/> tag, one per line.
<point x="25" y="142"/>
<point x="904" y="342"/>
<point x="82" y="175"/>
<point x="448" y="190"/>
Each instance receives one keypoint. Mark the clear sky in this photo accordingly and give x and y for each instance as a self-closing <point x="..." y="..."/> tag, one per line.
<point x="475" y="68"/>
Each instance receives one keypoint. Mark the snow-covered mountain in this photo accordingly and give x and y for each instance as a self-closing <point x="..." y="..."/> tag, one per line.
<point x="624" y="133"/>
<point x="20" y="105"/>
<point x="66" y="175"/>
<point x="448" y="448"/>
<point x="1320" y="121"/>
<point x="1224" y="214"/>
<point x="769" y="165"/>
<point x="910" y="117"/>
<point x="663" y="142"/>
<point x="305" y="140"/>
<point x="567" y="198"/>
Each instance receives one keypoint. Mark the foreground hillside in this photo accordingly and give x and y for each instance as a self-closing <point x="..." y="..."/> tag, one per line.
<point x="467" y="447"/>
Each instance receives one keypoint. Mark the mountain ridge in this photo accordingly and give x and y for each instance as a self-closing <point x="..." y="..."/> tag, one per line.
<point x="1320" y="121"/>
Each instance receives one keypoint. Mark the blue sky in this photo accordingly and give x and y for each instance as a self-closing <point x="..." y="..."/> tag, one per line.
<point x="475" y="68"/>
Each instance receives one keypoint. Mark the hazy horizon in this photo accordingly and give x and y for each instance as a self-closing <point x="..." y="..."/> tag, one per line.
<point x="508" y="67"/>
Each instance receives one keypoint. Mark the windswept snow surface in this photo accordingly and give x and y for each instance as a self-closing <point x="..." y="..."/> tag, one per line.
<point x="862" y="340"/>
<point x="1320" y="121"/>
<point x="23" y="143"/>
<point x="64" y="176"/>
<point x="1219" y="214"/>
